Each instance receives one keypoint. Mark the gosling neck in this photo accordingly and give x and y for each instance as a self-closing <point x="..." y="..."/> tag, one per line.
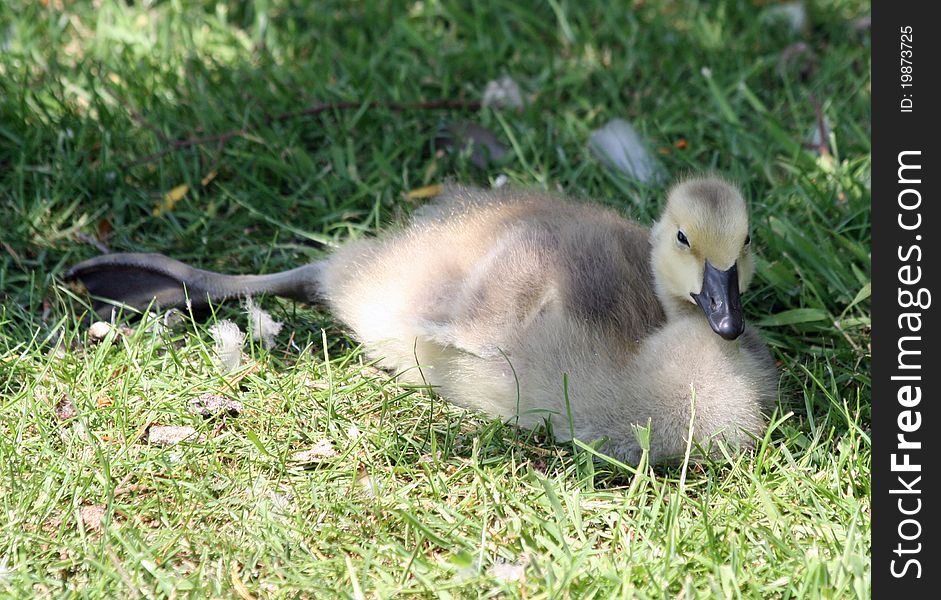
<point x="681" y="310"/>
<point x="673" y="307"/>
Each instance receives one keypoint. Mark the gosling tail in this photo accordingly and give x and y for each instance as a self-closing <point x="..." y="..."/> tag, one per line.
<point x="140" y="280"/>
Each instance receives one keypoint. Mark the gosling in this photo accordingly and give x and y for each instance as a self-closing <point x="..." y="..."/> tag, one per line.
<point x="533" y="308"/>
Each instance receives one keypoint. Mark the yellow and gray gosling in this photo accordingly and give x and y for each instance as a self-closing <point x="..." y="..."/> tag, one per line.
<point x="503" y="295"/>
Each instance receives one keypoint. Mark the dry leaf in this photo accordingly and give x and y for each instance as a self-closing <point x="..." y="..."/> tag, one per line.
<point x="103" y="401"/>
<point x="170" y="199"/>
<point x="208" y="178"/>
<point x="238" y="584"/>
<point x="318" y="452"/>
<point x="65" y="409"/>
<point x="427" y="191"/>
<point x="104" y="229"/>
<point x="91" y="516"/>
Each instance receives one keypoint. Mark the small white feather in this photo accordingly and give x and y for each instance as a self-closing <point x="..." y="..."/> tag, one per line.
<point x="621" y="147"/>
<point x="228" y="340"/>
<point x="507" y="571"/>
<point x="503" y="93"/>
<point x="264" y="328"/>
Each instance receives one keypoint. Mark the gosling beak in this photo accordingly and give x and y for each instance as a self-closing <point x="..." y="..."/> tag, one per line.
<point x="721" y="302"/>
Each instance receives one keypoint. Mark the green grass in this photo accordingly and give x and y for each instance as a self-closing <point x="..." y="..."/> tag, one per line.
<point x="423" y="499"/>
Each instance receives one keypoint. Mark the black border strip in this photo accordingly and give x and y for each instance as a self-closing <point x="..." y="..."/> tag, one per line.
<point x="904" y="218"/>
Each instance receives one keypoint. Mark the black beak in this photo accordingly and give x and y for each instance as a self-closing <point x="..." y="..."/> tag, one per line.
<point x="721" y="302"/>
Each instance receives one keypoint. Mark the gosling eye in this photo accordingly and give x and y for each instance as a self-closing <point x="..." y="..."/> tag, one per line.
<point x="681" y="238"/>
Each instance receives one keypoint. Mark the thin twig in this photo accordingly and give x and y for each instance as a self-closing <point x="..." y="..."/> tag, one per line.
<point x="12" y="253"/>
<point x="143" y="121"/>
<point x="222" y="138"/>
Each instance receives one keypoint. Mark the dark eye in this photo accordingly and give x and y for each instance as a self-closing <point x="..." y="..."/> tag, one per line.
<point x="681" y="238"/>
<point x="747" y="239"/>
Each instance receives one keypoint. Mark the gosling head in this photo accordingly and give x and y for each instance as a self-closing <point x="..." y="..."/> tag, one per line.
<point x="701" y="253"/>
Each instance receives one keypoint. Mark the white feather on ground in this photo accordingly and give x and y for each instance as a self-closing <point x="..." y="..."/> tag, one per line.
<point x="619" y="146"/>
<point x="228" y="340"/>
<point x="263" y="327"/>
<point x="503" y="93"/>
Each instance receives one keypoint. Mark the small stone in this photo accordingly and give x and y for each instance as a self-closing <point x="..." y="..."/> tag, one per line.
<point x="99" y="330"/>
<point x="214" y="405"/>
<point x="318" y="452"/>
<point x="169" y="435"/>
